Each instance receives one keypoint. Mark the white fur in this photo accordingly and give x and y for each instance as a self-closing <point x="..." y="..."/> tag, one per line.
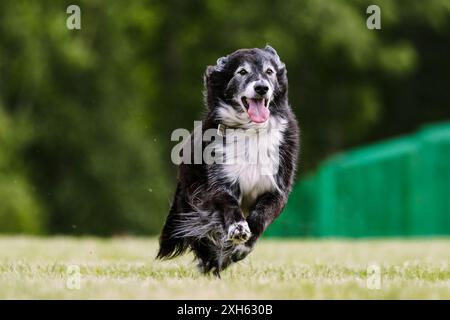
<point x="232" y="118"/>
<point x="254" y="178"/>
<point x="239" y="232"/>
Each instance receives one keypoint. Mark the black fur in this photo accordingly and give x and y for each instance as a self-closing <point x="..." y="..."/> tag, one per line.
<point x="206" y="203"/>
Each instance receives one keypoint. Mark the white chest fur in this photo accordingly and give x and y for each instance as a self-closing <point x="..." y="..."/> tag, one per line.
<point x="251" y="158"/>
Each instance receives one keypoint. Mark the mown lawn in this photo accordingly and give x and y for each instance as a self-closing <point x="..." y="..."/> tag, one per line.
<point x="124" y="268"/>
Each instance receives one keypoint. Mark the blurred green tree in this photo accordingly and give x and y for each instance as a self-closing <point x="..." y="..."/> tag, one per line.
<point x="20" y="211"/>
<point x="94" y="108"/>
<point x="90" y="152"/>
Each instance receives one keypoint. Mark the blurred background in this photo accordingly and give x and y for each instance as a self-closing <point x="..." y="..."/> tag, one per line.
<point x="86" y="115"/>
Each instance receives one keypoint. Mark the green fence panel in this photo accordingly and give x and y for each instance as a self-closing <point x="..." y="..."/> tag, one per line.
<point x="367" y="191"/>
<point x="400" y="187"/>
<point x="325" y="213"/>
<point x="430" y="209"/>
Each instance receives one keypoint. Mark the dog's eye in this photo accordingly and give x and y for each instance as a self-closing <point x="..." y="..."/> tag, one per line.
<point x="242" y="72"/>
<point x="269" y="71"/>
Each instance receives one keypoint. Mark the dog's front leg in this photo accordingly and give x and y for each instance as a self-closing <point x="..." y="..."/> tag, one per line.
<point x="267" y="207"/>
<point x="236" y="228"/>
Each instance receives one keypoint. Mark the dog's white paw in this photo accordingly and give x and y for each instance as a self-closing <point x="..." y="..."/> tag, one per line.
<point x="239" y="232"/>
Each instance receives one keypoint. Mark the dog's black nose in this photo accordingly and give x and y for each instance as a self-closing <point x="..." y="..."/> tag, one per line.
<point x="261" y="89"/>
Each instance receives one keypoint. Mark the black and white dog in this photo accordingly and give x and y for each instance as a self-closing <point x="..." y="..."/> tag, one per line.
<point x="221" y="208"/>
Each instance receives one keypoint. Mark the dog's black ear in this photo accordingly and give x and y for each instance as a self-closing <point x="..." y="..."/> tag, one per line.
<point x="220" y="65"/>
<point x="213" y="80"/>
<point x="208" y="72"/>
<point x="214" y="70"/>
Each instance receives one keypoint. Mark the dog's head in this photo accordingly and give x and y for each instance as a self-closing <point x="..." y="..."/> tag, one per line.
<point x="247" y="86"/>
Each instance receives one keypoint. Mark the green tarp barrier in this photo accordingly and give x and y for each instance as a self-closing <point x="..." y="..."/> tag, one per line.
<point x="399" y="187"/>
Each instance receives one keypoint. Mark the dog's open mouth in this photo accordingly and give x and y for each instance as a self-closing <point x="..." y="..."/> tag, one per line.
<point x="257" y="109"/>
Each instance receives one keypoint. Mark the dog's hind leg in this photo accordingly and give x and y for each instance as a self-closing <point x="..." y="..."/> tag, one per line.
<point x="203" y="250"/>
<point x="213" y="256"/>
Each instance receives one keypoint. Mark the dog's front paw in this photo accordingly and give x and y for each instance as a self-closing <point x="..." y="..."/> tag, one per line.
<point x="239" y="232"/>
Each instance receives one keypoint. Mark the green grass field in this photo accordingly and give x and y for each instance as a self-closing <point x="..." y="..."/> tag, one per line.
<point x="119" y="268"/>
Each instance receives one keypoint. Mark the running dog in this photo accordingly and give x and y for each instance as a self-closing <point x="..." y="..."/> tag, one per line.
<point x="220" y="209"/>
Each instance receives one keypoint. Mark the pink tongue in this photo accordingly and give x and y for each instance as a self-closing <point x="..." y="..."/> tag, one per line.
<point x="257" y="111"/>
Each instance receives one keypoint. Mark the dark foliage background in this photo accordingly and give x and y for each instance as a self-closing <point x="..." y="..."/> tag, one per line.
<point x="86" y="116"/>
